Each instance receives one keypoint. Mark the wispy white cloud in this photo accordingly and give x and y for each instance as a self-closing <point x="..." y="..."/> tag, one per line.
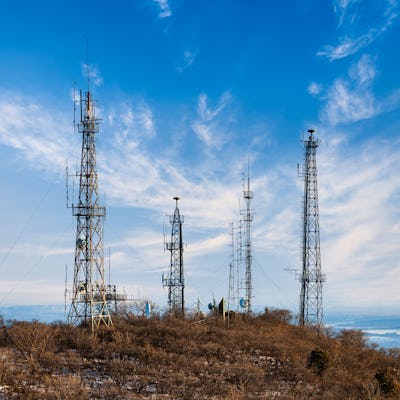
<point x="206" y="126"/>
<point x="44" y="136"/>
<point x="164" y="7"/>
<point x="141" y="250"/>
<point x="348" y="105"/>
<point x="358" y="218"/>
<point x="132" y="123"/>
<point x="347" y="47"/>
<point x="352" y="99"/>
<point x="33" y="250"/>
<point x="189" y="57"/>
<point x="131" y="172"/>
<point x="314" y="88"/>
<point x="209" y="245"/>
<point x="359" y="31"/>
<point x="341" y="9"/>
<point x="43" y="292"/>
<point x="92" y="73"/>
<point x="364" y="71"/>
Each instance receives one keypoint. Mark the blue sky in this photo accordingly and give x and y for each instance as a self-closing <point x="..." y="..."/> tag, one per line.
<point x="187" y="91"/>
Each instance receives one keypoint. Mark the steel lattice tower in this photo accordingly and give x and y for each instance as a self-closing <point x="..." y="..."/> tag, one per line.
<point x="231" y="287"/>
<point x="175" y="279"/>
<point x="239" y="262"/>
<point x="89" y="294"/>
<point x="311" y="277"/>
<point x="247" y="219"/>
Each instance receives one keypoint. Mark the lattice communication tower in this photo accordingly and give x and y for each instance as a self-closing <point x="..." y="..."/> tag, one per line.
<point x="174" y="280"/>
<point x="311" y="278"/>
<point x="232" y="264"/>
<point x="247" y="219"/>
<point x="90" y="295"/>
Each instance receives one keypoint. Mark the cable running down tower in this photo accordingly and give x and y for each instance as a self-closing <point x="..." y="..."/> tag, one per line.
<point x="174" y="281"/>
<point x="89" y="294"/>
<point x="311" y="278"/>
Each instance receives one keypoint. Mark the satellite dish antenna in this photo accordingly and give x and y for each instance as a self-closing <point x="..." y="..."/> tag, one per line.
<point x="243" y="303"/>
<point x="148" y="309"/>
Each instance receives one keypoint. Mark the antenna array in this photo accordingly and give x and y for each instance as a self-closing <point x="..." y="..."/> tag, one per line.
<point x="240" y="267"/>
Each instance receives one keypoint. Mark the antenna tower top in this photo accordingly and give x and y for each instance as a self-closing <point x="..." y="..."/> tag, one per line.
<point x="311" y="132"/>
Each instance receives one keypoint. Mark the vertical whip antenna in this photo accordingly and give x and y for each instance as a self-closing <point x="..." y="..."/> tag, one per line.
<point x="65" y="289"/>
<point x="74" y="102"/>
<point x="311" y="278"/>
<point x="66" y="183"/>
<point x="239" y="262"/>
<point x="87" y="64"/>
<point x="231" y="287"/>
<point x="174" y="280"/>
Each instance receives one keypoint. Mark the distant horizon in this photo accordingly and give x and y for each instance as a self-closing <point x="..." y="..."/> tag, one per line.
<point x="258" y="309"/>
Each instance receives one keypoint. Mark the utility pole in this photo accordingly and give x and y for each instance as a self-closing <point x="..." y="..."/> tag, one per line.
<point x="174" y="281"/>
<point x="311" y="278"/>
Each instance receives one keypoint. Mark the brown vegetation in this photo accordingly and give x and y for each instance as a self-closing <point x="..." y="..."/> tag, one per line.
<point x="261" y="357"/>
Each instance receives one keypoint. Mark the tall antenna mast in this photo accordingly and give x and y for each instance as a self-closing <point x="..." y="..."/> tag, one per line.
<point x="311" y="278"/>
<point x="247" y="219"/>
<point x="174" y="281"/>
<point x="239" y="262"/>
<point x="87" y="64"/>
<point x="231" y="288"/>
<point x="89" y="294"/>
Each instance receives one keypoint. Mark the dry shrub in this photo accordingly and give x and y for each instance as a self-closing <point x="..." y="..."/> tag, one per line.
<point x="277" y="316"/>
<point x="318" y="361"/>
<point x="355" y="339"/>
<point x="386" y="383"/>
<point x="255" y="357"/>
<point x="65" y="388"/>
<point x="7" y="377"/>
<point x="32" y="338"/>
<point x="4" y="339"/>
<point x="121" y="371"/>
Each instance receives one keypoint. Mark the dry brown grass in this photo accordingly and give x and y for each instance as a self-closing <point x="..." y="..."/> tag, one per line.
<point x="262" y="357"/>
